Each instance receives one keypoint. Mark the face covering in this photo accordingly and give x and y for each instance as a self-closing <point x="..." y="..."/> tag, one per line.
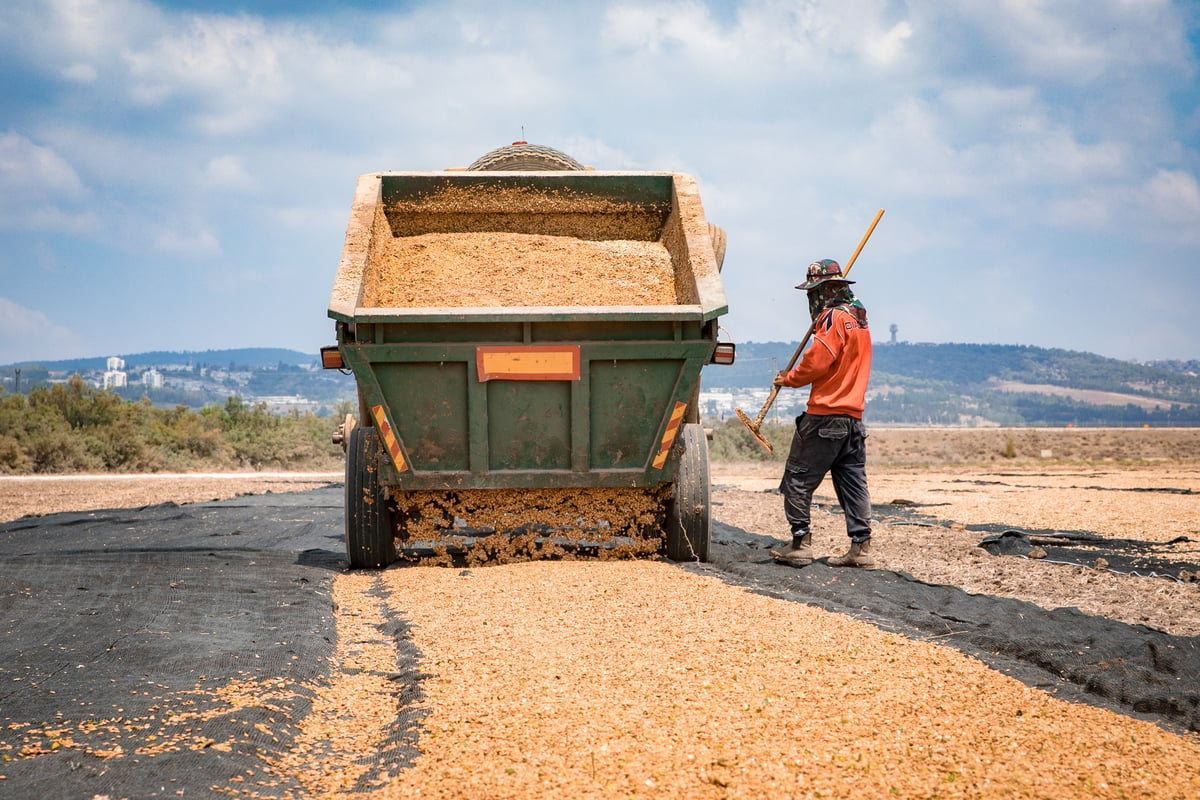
<point x="832" y="295"/>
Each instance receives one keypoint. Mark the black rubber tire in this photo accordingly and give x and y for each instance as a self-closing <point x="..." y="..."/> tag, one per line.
<point x="525" y="157"/>
<point x="689" y="511"/>
<point x="370" y="535"/>
<point x="718" y="240"/>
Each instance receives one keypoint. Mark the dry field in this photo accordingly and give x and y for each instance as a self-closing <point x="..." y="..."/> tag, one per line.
<point x="1120" y="503"/>
<point x="898" y="447"/>
<point x="1139" y="484"/>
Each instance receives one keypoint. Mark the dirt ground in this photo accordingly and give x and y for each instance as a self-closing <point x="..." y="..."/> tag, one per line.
<point x="38" y="495"/>
<point x="946" y="548"/>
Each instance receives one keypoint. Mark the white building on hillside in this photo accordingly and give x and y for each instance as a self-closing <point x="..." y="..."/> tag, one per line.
<point x="115" y="376"/>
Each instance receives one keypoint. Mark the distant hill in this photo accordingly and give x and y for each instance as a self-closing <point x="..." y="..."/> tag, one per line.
<point x="240" y="358"/>
<point x="198" y="378"/>
<point x="917" y="384"/>
<point x="998" y="384"/>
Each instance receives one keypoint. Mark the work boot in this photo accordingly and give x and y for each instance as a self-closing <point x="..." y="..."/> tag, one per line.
<point x="859" y="555"/>
<point x="798" y="554"/>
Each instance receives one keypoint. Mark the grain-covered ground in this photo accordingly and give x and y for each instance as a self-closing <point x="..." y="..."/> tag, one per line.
<point x="636" y="678"/>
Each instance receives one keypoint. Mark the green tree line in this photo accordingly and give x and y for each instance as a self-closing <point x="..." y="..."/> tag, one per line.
<point x="73" y="427"/>
<point x="972" y="368"/>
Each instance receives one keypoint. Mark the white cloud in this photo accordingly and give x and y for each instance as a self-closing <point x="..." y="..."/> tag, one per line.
<point x="810" y="41"/>
<point x="226" y="172"/>
<point x="230" y="62"/>
<point x="1073" y="42"/>
<point x="233" y="76"/>
<point x="49" y="218"/>
<point x="1092" y="211"/>
<point x="27" y="168"/>
<point x="75" y="39"/>
<point x="1162" y="209"/>
<point x="1166" y="209"/>
<point x="80" y="73"/>
<point x="191" y="244"/>
<point x="1044" y="152"/>
<point x="998" y="150"/>
<point x="39" y="189"/>
<point x="888" y="46"/>
<point x="596" y="153"/>
<point x="1174" y="196"/>
<point x="655" y="27"/>
<point x="989" y="102"/>
<point x="118" y="158"/>
<point x="29" y="335"/>
<point x="308" y="218"/>
<point x="95" y="27"/>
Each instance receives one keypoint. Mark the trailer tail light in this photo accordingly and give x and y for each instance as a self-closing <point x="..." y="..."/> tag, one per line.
<point x="724" y="353"/>
<point x="331" y="357"/>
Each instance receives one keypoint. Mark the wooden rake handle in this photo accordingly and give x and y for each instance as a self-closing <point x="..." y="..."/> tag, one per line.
<point x="762" y="415"/>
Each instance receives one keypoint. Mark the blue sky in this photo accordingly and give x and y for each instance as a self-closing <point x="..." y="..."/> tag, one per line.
<point x="178" y="175"/>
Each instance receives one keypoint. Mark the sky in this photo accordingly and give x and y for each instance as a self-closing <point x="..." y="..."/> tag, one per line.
<point x="177" y="175"/>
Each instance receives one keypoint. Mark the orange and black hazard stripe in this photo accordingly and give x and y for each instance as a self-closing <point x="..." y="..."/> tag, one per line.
<point x="669" y="435"/>
<point x="389" y="438"/>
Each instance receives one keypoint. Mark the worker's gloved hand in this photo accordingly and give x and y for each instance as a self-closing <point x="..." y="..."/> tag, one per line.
<point x="780" y="378"/>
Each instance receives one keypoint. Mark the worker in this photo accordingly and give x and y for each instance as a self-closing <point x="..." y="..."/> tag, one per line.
<point x="829" y="437"/>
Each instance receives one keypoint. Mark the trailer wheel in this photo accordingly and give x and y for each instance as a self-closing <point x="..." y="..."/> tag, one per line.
<point x="521" y="156"/>
<point x="689" y="511"/>
<point x="370" y="539"/>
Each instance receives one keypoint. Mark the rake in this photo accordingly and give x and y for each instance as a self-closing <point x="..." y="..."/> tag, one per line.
<point x="753" y="425"/>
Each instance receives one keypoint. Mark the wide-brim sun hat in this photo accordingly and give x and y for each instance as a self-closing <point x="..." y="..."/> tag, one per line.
<point x="824" y="271"/>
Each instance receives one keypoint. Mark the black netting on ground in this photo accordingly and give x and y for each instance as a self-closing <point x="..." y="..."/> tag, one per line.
<point x="1123" y="556"/>
<point x="169" y="648"/>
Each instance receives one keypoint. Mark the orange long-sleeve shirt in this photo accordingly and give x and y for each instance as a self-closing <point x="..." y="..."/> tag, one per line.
<point x="838" y="365"/>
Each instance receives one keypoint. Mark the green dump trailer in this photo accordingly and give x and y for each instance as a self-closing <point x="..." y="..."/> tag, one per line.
<point x="527" y="397"/>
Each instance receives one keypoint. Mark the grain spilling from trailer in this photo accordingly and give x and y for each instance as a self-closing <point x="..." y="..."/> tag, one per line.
<point x="527" y="346"/>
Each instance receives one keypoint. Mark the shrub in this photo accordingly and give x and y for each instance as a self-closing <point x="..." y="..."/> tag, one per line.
<point x="12" y="455"/>
<point x="73" y="427"/>
<point x="733" y="442"/>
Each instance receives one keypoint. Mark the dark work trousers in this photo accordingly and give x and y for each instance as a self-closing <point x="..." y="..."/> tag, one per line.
<point x="827" y="444"/>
